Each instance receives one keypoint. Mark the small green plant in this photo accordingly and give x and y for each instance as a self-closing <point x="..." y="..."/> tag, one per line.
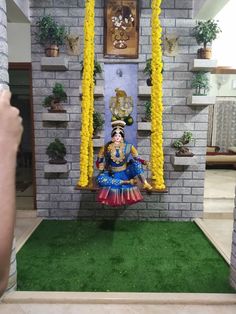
<point x="206" y="31"/>
<point x="148" y="71"/>
<point x="97" y="69"/>
<point x="58" y="95"/>
<point x="50" y="32"/>
<point x="179" y="144"/>
<point x="148" y="108"/>
<point x="200" y="83"/>
<point x="98" y="122"/>
<point x="148" y="68"/>
<point x="56" y="152"/>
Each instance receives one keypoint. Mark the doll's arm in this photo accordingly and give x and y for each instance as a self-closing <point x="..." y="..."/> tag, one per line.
<point x="100" y="159"/>
<point x="135" y="155"/>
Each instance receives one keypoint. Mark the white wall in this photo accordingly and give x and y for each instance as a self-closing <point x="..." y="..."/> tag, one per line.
<point x="222" y="85"/>
<point x="224" y="47"/>
<point x="19" y="42"/>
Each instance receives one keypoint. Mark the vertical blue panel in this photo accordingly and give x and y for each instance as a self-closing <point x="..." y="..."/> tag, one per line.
<point x="127" y="82"/>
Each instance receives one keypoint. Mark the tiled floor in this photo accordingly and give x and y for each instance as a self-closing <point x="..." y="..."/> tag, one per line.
<point x="219" y="193"/>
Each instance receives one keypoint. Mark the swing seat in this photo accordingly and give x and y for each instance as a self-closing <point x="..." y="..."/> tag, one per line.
<point x="93" y="186"/>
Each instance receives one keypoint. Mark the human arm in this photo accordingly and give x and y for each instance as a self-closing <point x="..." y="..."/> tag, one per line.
<point x="10" y="135"/>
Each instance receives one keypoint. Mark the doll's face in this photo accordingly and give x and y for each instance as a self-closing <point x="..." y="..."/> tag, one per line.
<point x="117" y="138"/>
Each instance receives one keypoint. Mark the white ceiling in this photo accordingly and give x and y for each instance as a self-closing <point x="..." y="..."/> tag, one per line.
<point x="17" y="11"/>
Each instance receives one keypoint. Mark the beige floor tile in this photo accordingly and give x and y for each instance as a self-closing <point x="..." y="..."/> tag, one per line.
<point x="24" y="228"/>
<point x="220" y="183"/>
<point x="219" y="232"/>
<point x="115" y="309"/>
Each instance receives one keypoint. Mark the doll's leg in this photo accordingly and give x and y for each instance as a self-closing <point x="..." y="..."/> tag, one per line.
<point x="104" y="179"/>
<point x="135" y="169"/>
<point x="143" y="180"/>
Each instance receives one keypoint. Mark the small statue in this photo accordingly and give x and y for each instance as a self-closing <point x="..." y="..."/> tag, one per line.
<point x="121" y="105"/>
<point x="118" y="174"/>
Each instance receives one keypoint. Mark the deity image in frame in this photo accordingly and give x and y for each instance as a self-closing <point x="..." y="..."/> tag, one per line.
<point x="121" y="29"/>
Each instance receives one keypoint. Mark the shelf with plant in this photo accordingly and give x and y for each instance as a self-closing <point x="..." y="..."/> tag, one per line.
<point x="98" y="90"/>
<point x="148" y="71"/>
<point x="145" y="124"/>
<point x="50" y="34"/>
<point x="179" y="145"/>
<point x="56" y="152"/>
<point x="205" y="33"/>
<point x="200" y="85"/>
<point x="98" y="123"/>
<point x="183" y="155"/>
<point x="54" y="102"/>
<point x="97" y="69"/>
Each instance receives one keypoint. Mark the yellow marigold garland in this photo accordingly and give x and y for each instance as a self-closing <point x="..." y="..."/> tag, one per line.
<point x="86" y="151"/>
<point x="157" y="158"/>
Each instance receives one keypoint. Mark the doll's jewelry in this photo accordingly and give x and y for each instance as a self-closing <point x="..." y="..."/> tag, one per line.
<point x="113" y="151"/>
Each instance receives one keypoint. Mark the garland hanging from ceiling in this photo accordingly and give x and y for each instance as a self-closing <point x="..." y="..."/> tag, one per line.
<point x="86" y="146"/>
<point x="157" y="158"/>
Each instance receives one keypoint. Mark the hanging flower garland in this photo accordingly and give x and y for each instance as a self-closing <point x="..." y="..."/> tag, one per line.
<point x="86" y="146"/>
<point x="157" y="158"/>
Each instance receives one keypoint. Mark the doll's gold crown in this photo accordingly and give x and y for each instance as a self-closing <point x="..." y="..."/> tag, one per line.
<point x="118" y="127"/>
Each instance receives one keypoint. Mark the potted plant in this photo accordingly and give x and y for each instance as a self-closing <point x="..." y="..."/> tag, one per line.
<point x="54" y="101"/>
<point x="205" y="32"/>
<point x="183" y="151"/>
<point x="56" y="152"/>
<point x="148" y="71"/>
<point x="97" y="69"/>
<point x="51" y="35"/>
<point x="98" y="122"/>
<point x="147" y="117"/>
<point x="200" y="83"/>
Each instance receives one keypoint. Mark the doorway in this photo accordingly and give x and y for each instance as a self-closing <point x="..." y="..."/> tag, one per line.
<point x="20" y="83"/>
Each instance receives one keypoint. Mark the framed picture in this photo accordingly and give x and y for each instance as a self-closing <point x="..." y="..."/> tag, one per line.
<point x="121" y="29"/>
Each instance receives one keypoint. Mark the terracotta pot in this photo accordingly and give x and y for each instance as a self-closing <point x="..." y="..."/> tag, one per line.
<point x="204" y="53"/>
<point x="52" y="51"/>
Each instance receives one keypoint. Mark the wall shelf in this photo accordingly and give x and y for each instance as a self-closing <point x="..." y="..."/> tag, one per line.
<point x="205" y="65"/>
<point x="56" y="168"/>
<point x="183" y="161"/>
<point x="144" y="91"/>
<point x="98" y="91"/>
<point x="51" y="116"/>
<point x="144" y="126"/>
<point x="98" y="142"/>
<point x="201" y="100"/>
<point x="54" y="63"/>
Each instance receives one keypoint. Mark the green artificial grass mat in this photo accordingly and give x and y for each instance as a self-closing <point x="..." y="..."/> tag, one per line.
<point x="121" y="256"/>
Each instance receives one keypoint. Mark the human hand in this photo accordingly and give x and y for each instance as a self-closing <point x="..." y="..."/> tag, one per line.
<point x="10" y="124"/>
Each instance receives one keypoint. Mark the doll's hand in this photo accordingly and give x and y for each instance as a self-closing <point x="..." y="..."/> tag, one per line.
<point x="147" y="164"/>
<point x="101" y="167"/>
